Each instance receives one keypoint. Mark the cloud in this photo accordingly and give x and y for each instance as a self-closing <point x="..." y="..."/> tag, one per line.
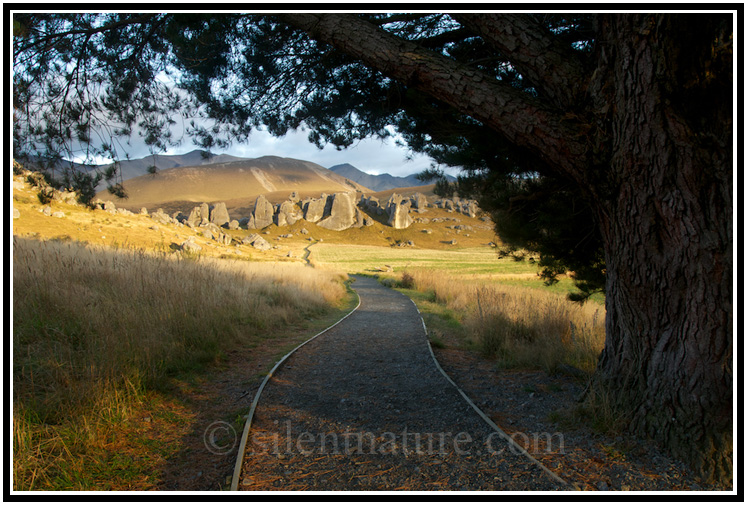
<point x="370" y="155"/>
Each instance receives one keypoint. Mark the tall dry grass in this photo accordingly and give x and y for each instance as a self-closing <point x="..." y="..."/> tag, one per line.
<point x="95" y="328"/>
<point x="518" y="326"/>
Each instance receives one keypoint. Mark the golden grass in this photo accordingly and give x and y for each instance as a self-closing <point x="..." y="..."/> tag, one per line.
<point x="519" y="326"/>
<point x="96" y="329"/>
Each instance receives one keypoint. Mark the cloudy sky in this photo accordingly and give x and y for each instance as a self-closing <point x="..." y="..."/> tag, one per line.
<point x="370" y="155"/>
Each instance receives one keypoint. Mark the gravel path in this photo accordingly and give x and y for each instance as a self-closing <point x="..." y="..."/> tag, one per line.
<point x="363" y="407"/>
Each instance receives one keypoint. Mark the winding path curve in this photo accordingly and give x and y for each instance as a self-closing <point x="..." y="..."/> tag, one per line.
<point x="364" y="407"/>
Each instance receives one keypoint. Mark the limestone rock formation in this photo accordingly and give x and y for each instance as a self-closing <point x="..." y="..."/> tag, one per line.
<point x="287" y="213"/>
<point x="342" y="213"/>
<point x="257" y="241"/>
<point x="263" y="213"/>
<point x="219" y="215"/>
<point x="314" y="209"/>
<point x="199" y="216"/>
<point x="398" y="212"/>
<point x="419" y="201"/>
<point x="161" y="217"/>
<point x="190" y="245"/>
<point x="204" y="214"/>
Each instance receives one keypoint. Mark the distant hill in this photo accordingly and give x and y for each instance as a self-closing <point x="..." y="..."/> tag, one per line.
<point x="238" y="183"/>
<point x="379" y="182"/>
<point x="139" y="167"/>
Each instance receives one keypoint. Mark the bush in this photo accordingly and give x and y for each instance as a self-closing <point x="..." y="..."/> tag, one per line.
<point x="407" y="281"/>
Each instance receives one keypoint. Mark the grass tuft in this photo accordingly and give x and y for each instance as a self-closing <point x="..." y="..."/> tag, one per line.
<point x="519" y="327"/>
<point x="95" y="330"/>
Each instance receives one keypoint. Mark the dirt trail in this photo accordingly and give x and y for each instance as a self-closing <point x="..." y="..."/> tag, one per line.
<point x="363" y="407"/>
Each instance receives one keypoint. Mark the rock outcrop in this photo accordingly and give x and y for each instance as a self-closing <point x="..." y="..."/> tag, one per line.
<point x="257" y="241"/>
<point x="314" y="209"/>
<point x="342" y="213"/>
<point x="287" y="213"/>
<point x="263" y="214"/>
<point x="468" y="207"/>
<point x="219" y="215"/>
<point x="199" y="216"/>
<point x="190" y="245"/>
<point x="398" y="212"/>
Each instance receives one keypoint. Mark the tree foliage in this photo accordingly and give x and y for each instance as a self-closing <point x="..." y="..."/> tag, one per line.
<point x="85" y="83"/>
<point x="604" y="142"/>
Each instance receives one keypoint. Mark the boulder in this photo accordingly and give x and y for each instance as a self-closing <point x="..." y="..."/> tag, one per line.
<point x="233" y="225"/>
<point x="263" y="213"/>
<point x="257" y="241"/>
<point x="471" y="209"/>
<point x="419" y="201"/>
<point x="199" y="216"/>
<point x="287" y="214"/>
<point x="359" y="218"/>
<point x="204" y="214"/>
<point x="342" y="213"/>
<point x="190" y="245"/>
<point x="219" y="215"/>
<point x="161" y="217"/>
<point x="314" y="209"/>
<point x="193" y="220"/>
<point x="398" y="211"/>
<point x="213" y="231"/>
<point x="370" y="204"/>
<point x="68" y="197"/>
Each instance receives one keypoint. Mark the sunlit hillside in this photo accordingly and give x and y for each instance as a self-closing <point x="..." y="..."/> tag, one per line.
<point x="238" y="183"/>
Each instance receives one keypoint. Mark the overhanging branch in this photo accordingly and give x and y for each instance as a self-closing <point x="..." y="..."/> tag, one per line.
<point x="522" y="120"/>
<point x="551" y="67"/>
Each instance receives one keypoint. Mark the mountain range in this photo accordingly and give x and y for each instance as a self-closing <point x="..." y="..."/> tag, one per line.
<point x="196" y="177"/>
<point x="378" y="182"/>
<point x="237" y="183"/>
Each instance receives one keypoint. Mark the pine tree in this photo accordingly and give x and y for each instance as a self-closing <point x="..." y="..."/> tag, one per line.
<point x="602" y="141"/>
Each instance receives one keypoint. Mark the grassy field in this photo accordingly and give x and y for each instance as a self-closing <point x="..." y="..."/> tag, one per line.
<point x="97" y="330"/>
<point x="107" y="312"/>
<point x="518" y="327"/>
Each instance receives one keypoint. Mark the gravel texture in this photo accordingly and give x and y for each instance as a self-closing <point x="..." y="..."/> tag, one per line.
<point x="363" y="407"/>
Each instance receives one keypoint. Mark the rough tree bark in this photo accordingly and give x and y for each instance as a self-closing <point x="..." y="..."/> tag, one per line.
<point x="661" y="184"/>
<point x="667" y="227"/>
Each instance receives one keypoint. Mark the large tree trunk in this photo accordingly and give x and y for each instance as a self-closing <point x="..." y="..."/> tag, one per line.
<point x="667" y="229"/>
<point x="650" y="146"/>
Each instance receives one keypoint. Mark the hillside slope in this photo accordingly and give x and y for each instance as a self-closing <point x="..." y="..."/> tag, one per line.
<point x="238" y="183"/>
<point x="379" y="182"/>
<point x="135" y="168"/>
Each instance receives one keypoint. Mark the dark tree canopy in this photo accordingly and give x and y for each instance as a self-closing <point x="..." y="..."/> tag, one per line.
<point x="603" y="142"/>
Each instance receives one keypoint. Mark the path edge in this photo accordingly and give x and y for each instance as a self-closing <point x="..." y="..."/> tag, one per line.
<point x="483" y="415"/>
<point x="253" y="407"/>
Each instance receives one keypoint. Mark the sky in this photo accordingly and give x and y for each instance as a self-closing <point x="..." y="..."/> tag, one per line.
<point x="372" y="156"/>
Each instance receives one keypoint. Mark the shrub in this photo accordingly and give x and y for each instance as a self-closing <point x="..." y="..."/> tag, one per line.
<point x="407" y="281"/>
